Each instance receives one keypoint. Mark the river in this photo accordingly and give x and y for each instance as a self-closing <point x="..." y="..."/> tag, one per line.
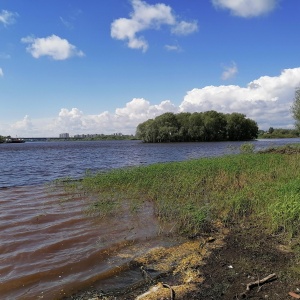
<point x="49" y="246"/>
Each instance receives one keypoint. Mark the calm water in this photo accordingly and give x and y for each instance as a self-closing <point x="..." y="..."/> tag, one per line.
<point x="49" y="247"/>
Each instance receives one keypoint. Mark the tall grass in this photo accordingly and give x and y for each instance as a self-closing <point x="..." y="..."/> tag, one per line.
<point x="193" y="194"/>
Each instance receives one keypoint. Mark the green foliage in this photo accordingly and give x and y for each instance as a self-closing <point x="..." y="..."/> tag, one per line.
<point x="286" y="212"/>
<point x="2" y="139"/>
<point x="277" y="133"/>
<point x="239" y="128"/>
<point x="295" y="109"/>
<point x="247" y="148"/>
<point x="197" y="127"/>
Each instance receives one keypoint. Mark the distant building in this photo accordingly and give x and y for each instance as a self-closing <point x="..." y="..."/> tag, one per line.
<point x="64" y="136"/>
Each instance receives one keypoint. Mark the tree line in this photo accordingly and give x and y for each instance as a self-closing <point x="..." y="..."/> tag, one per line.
<point x="197" y="127"/>
<point x="278" y="133"/>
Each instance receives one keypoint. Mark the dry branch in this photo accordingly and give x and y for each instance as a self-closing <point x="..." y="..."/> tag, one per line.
<point x="253" y="284"/>
<point x="258" y="283"/>
<point x="294" y="295"/>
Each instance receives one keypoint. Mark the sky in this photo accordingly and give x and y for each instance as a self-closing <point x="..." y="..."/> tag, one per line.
<point x="105" y="66"/>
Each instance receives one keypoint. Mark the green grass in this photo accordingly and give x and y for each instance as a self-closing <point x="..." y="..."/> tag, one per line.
<point x="192" y="195"/>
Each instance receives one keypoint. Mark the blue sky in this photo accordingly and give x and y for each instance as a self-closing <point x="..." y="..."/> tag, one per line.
<point x="105" y="66"/>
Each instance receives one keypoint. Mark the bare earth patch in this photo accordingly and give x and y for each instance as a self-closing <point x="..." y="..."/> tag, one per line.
<point x="218" y="265"/>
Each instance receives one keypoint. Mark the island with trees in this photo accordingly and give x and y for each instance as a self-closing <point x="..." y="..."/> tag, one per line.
<point x="197" y="127"/>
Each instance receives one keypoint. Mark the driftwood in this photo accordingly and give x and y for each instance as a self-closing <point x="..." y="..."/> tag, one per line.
<point x="155" y="289"/>
<point x="258" y="283"/>
<point x="294" y="295"/>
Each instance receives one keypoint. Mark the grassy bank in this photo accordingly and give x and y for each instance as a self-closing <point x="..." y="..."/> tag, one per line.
<point x="194" y="194"/>
<point x="242" y="212"/>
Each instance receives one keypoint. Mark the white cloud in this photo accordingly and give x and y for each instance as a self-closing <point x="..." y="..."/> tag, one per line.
<point x="24" y="124"/>
<point x="175" y="48"/>
<point x="7" y="17"/>
<point x="246" y="8"/>
<point x="267" y="100"/>
<point x="53" y="46"/>
<point x="185" y="28"/>
<point x="144" y="17"/>
<point x="1" y="72"/>
<point x="229" y="71"/>
<point x="122" y="120"/>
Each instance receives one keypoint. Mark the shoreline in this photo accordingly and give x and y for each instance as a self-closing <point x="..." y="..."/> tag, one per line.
<point x="215" y="265"/>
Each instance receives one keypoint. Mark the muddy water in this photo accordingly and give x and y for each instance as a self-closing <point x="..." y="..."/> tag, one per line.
<point x="50" y="247"/>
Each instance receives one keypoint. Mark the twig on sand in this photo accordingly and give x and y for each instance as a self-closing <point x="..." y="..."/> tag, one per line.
<point x="294" y="295"/>
<point x="258" y="283"/>
<point x="155" y="289"/>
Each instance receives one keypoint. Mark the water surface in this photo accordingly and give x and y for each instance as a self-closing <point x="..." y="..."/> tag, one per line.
<point x="49" y="246"/>
<point x="35" y="163"/>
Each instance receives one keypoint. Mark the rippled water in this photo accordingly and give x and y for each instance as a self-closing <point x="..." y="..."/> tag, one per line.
<point x="35" y="163"/>
<point x="49" y="246"/>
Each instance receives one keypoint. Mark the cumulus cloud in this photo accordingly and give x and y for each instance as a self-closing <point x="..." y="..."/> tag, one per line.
<point x="229" y="71"/>
<point x="246" y="8"/>
<point x="122" y="120"/>
<point x="7" y="17"/>
<point x="24" y="124"/>
<point x="266" y="99"/>
<point x="53" y="46"/>
<point x="144" y="17"/>
<point x="1" y="72"/>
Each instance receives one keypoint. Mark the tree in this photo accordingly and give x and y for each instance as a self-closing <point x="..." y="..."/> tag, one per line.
<point x="241" y="129"/>
<point x="168" y="127"/>
<point x="196" y="127"/>
<point x="214" y="126"/>
<point x="183" y="123"/>
<point x="147" y="131"/>
<point x="296" y="108"/>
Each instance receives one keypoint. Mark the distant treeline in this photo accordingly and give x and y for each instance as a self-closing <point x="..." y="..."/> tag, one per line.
<point x="97" y="137"/>
<point x="94" y="137"/>
<point x="103" y="137"/>
<point x="278" y="133"/>
<point x="197" y="127"/>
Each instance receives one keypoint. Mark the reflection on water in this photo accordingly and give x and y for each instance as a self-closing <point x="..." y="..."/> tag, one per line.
<point x="49" y="246"/>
